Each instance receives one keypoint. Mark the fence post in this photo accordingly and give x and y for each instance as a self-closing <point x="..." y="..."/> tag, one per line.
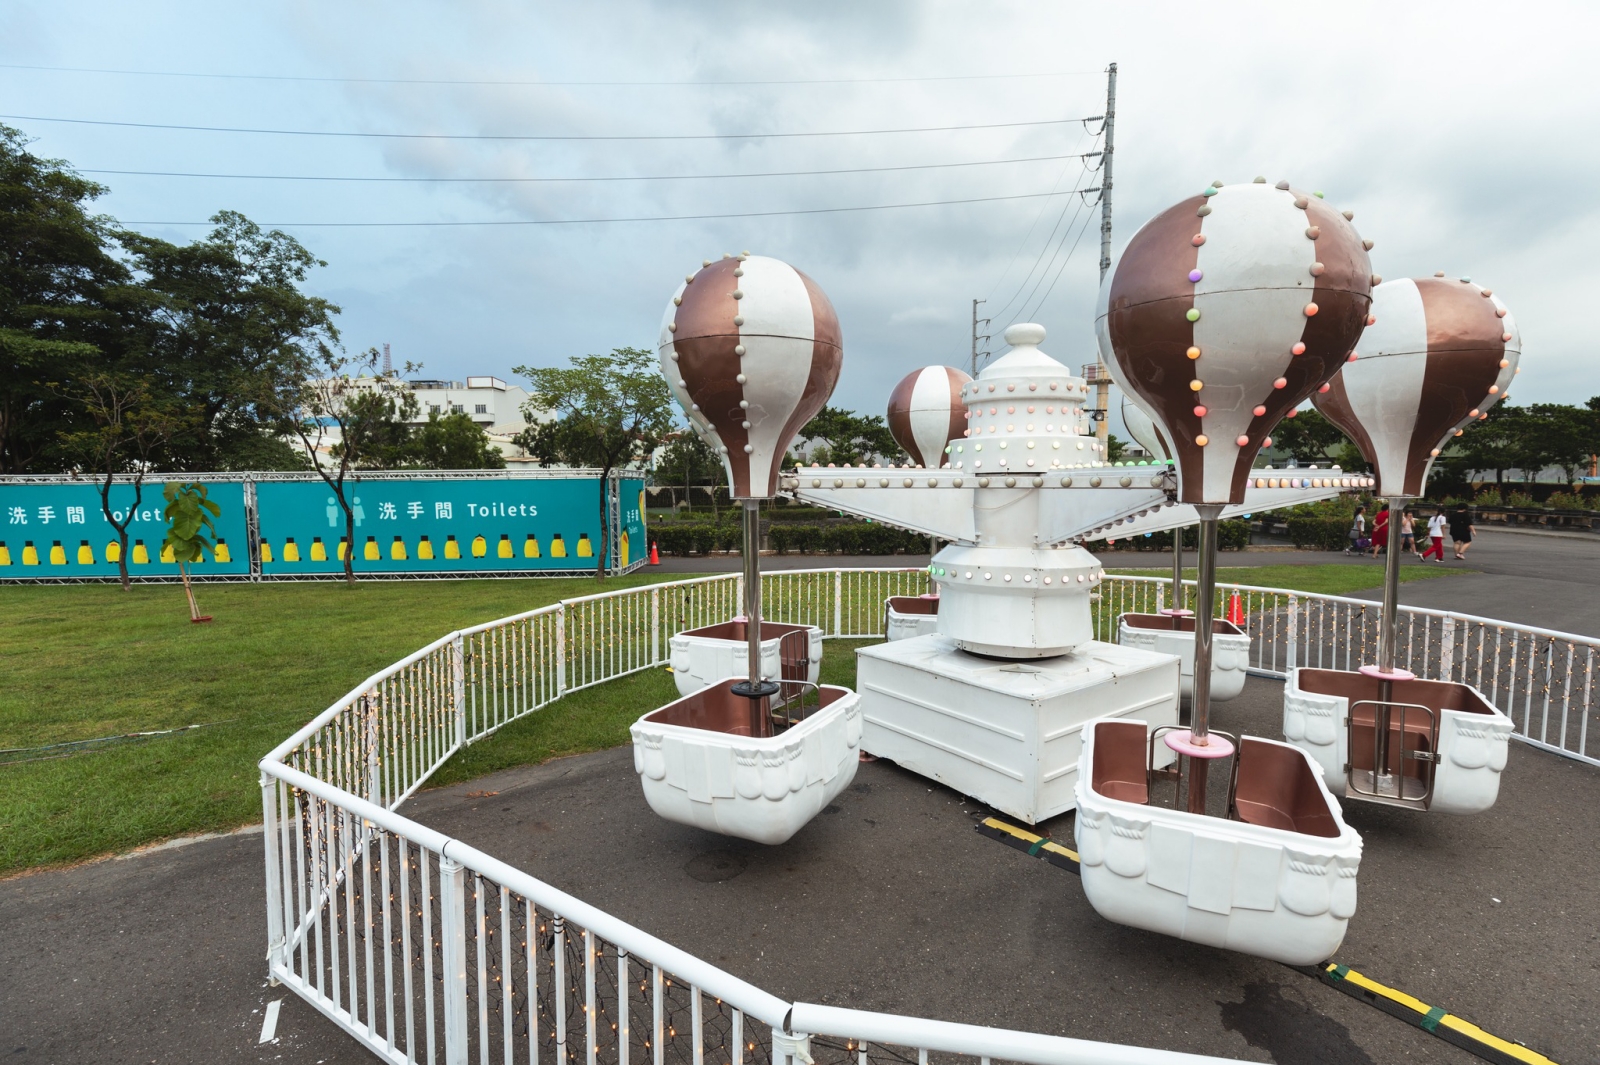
<point x="790" y="1049"/>
<point x="838" y="602"/>
<point x="655" y="626"/>
<point x="1292" y="625"/>
<point x="453" y="970"/>
<point x="561" y="649"/>
<point x="374" y="788"/>
<point x="269" y="831"/>
<point x="738" y="592"/>
<point x="458" y="687"/>
<point x="1447" y="649"/>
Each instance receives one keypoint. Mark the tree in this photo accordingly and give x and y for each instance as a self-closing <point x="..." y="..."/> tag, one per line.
<point x="611" y="410"/>
<point x="350" y="399"/>
<point x="1309" y="437"/>
<point x="1114" y="448"/>
<point x="130" y="427"/>
<point x="850" y="438"/>
<point x="55" y="273"/>
<point x="453" y="442"/>
<point x="188" y="514"/>
<point x="231" y="335"/>
<point x="690" y="460"/>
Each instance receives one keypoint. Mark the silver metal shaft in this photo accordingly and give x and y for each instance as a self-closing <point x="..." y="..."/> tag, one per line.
<point x="1205" y="588"/>
<point x="752" y="587"/>
<point x="1388" y="633"/>
<point x="1106" y="151"/>
<point x="1177" y="570"/>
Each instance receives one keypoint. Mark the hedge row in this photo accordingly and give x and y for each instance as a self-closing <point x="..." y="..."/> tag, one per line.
<point x="1323" y="534"/>
<point x="850" y="538"/>
<point x="1231" y="536"/>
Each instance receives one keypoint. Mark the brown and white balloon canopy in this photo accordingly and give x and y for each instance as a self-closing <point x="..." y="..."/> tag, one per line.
<point x="1442" y="353"/>
<point x="926" y="412"/>
<point x="751" y="349"/>
<point x="1225" y="312"/>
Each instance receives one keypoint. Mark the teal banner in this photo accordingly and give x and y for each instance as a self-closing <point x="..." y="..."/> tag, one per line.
<point x="56" y="531"/>
<point x="431" y="526"/>
<point x="632" y="546"/>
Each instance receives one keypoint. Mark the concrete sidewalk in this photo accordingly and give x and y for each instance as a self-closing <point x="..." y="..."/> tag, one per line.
<point x="889" y="900"/>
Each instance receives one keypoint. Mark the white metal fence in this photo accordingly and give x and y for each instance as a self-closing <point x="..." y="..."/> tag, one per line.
<point x="427" y="950"/>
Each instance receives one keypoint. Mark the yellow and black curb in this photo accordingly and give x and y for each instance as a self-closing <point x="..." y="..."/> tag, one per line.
<point x="1432" y="1019"/>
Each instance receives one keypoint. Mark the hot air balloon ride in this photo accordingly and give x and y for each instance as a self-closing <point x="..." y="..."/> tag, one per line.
<point x="1224" y="312"/>
<point x="1441" y="353"/>
<point x="751" y="349"/>
<point x="926" y="416"/>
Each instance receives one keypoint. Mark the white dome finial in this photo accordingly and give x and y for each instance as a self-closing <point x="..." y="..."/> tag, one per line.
<point x="1030" y="334"/>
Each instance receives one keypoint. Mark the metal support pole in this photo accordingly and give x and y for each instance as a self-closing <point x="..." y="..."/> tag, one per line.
<point x="756" y="688"/>
<point x="1388" y="632"/>
<point x="1102" y="428"/>
<point x="975" y="335"/>
<point x="1205" y="588"/>
<point x="276" y="955"/>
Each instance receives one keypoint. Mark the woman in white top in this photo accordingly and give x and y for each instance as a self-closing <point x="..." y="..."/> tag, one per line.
<point x="1436" y="525"/>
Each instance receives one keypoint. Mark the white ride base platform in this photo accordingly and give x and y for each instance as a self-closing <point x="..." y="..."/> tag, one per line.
<point x="1278" y="883"/>
<point x="702" y="657"/>
<point x="1471" y="741"/>
<point x="905" y="616"/>
<point x="1230" y="649"/>
<point x="700" y="765"/>
<point x="1004" y="732"/>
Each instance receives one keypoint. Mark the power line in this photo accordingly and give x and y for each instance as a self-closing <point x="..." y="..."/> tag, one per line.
<point x="648" y="218"/>
<point x="1023" y="284"/>
<point x="617" y="177"/>
<point x="535" y="83"/>
<point x="1062" y="269"/>
<point x="1065" y="233"/>
<point x="544" y="137"/>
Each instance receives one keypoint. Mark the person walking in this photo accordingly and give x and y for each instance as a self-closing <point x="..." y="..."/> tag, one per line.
<point x="1358" y="531"/>
<point x="1380" y="531"/>
<point x="1408" y="539"/>
<point x="1461" y="529"/>
<point x="1436" y="527"/>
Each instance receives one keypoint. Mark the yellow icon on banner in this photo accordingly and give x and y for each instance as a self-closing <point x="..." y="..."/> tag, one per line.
<point x="30" y="554"/>
<point x="291" y="550"/>
<point x="371" y="551"/>
<point x="480" y="547"/>
<point x="85" y="553"/>
<point x="58" y="554"/>
<point x="397" y="550"/>
<point x="266" y="551"/>
<point x="5" y="554"/>
<point x="166" y="553"/>
<point x="113" y="551"/>
<point x="141" y="553"/>
<point x="425" y="548"/>
<point x="530" y="547"/>
<point x="344" y="546"/>
<point x="452" y="548"/>
<point x="585" y="548"/>
<point x="505" y="550"/>
<point x="222" y="554"/>
<point x="558" y="547"/>
<point x="319" y="550"/>
<point x="622" y="547"/>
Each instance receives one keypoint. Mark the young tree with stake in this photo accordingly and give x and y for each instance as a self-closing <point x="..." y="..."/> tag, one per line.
<point x="188" y="514"/>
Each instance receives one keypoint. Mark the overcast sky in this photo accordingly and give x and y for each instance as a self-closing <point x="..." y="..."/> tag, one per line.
<point x="1463" y="136"/>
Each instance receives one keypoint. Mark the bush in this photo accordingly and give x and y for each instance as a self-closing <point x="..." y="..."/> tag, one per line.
<point x="1324" y="534"/>
<point x="1567" y="501"/>
<point x="1519" y="499"/>
<point x="682" y="538"/>
<point x="1232" y="535"/>
<point x="1489" y="497"/>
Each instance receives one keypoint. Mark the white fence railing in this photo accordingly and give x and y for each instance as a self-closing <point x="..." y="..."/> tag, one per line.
<point x="427" y="950"/>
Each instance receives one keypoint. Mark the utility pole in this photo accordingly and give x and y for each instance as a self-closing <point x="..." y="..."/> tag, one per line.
<point x="976" y="336"/>
<point x="1102" y="381"/>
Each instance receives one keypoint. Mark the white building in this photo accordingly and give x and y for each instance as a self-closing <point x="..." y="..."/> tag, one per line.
<point x="493" y="404"/>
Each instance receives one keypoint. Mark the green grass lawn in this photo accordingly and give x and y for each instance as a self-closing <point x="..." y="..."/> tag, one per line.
<point x="90" y="661"/>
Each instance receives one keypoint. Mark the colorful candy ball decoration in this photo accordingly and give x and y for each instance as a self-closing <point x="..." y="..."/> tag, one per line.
<point x="1443" y="351"/>
<point x="751" y="349"/>
<point x="1283" y="291"/>
<point x="926" y="412"/>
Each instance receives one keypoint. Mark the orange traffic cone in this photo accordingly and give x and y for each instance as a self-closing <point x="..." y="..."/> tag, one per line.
<point x="1235" y="610"/>
<point x="655" y="555"/>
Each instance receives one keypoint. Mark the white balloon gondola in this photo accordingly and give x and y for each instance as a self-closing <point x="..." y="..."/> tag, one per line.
<point x="1171" y="630"/>
<point x="1441" y="352"/>
<point x="751" y="349"/>
<point x="701" y="657"/>
<point x="1224" y="312"/>
<point x="926" y="414"/>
